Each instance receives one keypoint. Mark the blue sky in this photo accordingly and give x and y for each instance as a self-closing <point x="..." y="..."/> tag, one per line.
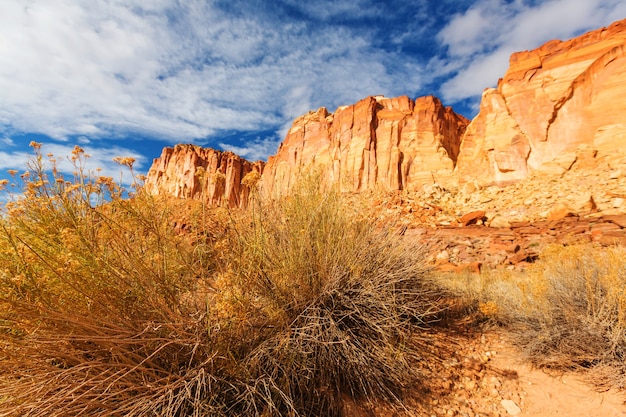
<point x="128" y="77"/>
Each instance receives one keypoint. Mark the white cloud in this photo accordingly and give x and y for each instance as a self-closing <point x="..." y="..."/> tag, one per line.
<point x="344" y="9"/>
<point x="7" y="141"/>
<point x="188" y="71"/>
<point x="480" y="41"/>
<point x="254" y="150"/>
<point x="478" y="75"/>
<point x="477" y="29"/>
<point x="13" y="160"/>
<point x="179" y="71"/>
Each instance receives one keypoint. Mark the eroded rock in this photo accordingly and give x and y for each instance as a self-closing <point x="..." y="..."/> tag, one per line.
<point x="189" y="171"/>
<point x="377" y="143"/>
<point x="560" y="104"/>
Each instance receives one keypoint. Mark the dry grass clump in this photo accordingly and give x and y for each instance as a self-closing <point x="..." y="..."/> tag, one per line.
<point x="568" y="311"/>
<point x="109" y="308"/>
<point x="342" y="298"/>
<point x="95" y="306"/>
<point x="585" y="306"/>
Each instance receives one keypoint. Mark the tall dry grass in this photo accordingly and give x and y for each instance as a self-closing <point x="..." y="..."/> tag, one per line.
<point x="96" y="313"/>
<point x="343" y="299"/>
<point x="567" y="311"/>
<point x="108" y="309"/>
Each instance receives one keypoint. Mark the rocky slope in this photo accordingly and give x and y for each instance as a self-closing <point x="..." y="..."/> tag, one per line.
<point x="377" y="143"/>
<point x="188" y="171"/>
<point x="557" y="105"/>
<point x="467" y="228"/>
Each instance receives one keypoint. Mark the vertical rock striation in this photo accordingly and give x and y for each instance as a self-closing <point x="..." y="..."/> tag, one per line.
<point x="377" y="143"/>
<point x="189" y="171"/>
<point x="559" y="106"/>
<point x="552" y="103"/>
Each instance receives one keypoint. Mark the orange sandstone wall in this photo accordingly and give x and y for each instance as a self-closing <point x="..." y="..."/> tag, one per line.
<point x="553" y="103"/>
<point x="189" y="171"/>
<point x="377" y="143"/>
<point x="557" y="106"/>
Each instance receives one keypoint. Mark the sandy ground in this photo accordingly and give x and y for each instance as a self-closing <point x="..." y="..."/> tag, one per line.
<point x="541" y="394"/>
<point x="485" y="376"/>
<point x="490" y="378"/>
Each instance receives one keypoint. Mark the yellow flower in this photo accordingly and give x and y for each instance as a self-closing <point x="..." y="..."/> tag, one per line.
<point x="251" y="179"/>
<point x="128" y="161"/>
<point x="200" y="171"/>
<point x="104" y="180"/>
<point x="35" y="145"/>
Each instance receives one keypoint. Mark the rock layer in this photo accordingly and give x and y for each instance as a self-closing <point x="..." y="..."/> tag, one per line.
<point x="558" y="109"/>
<point x="561" y="103"/>
<point x="377" y="143"/>
<point x="189" y="171"/>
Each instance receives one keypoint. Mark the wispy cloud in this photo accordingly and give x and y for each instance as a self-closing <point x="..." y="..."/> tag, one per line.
<point x="480" y="41"/>
<point x="255" y="149"/>
<point x="7" y="141"/>
<point x="181" y="71"/>
<point x="333" y="9"/>
<point x="190" y="71"/>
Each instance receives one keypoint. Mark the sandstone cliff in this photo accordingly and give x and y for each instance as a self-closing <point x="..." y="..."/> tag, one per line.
<point x="558" y="107"/>
<point x="561" y="103"/>
<point x="188" y="171"/>
<point x="377" y="143"/>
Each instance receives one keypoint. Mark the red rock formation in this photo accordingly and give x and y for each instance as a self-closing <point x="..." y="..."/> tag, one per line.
<point x="552" y="102"/>
<point x="558" y="107"/>
<point x="188" y="171"/>
<point x="386" y="143"/>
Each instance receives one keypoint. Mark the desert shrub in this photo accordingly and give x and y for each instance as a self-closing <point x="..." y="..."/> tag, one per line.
<point x="108" y="307"/>
<point x="584" y="311"/>
<point x="567" y="311"/>
<point x="100" y="303"/>
<point x="334" y="301"/>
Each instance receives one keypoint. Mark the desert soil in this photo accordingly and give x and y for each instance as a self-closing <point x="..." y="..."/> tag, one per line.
<point x="491" y="378"/>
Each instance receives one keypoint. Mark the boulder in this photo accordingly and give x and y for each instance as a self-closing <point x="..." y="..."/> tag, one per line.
<point x="472" y="217"/>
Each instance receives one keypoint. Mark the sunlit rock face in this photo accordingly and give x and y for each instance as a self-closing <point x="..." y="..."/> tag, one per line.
<point x="377" y="143"/>
<point x="557" y="108"/>
<point x="554" y="104"/>
<point x="189" y="171"/>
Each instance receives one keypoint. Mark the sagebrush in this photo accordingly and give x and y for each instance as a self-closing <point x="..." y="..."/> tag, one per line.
<point x="566" y="312"/>
<point x="110" y="308"/>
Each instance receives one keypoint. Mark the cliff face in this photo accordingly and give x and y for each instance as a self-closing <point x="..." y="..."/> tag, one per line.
<point x="557" y="107"/>
<point x="554" y="105"/>
<point x="188" y="171"/>
<point x="377" y="143"/>
<point x="386" y="143"/>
